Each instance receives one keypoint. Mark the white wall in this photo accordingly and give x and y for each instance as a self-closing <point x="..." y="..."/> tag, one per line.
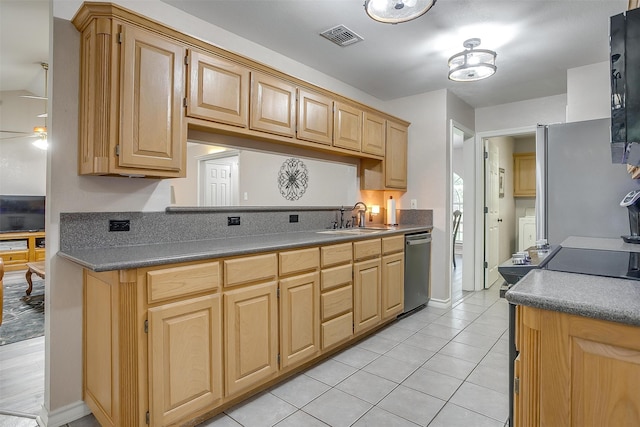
<point x="547" y="110"/>
<point x="23" y="167"/>
<point x="429" y="173"/>
<point x="427" y="176"/>
<point x="329" y="183"/>
<point x="589" y="92"/>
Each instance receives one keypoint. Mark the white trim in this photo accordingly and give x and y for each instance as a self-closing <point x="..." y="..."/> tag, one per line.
<point x="62" y="416"/>
<point x="439" y="303"/>
<point x="449" y="207"/>
<point x="479" y="192"/>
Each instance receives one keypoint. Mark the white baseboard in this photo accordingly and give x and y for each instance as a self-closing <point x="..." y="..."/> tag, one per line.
<point x="439" y="303"/>
<point x="63" y="415"/>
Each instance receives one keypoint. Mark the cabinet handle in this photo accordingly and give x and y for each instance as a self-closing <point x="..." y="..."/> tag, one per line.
<point x="516" y="385"/>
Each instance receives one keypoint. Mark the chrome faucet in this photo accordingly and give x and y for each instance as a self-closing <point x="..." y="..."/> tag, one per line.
<point x="361" y="213"/>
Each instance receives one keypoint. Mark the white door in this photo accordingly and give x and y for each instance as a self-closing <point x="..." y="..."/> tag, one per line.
<point x="217" y="184"/>
<point x="491" y="241"/>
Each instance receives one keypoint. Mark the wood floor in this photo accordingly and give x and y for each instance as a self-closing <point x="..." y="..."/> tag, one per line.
<point x="21" y="372"/>
<point x="22" y="377"/>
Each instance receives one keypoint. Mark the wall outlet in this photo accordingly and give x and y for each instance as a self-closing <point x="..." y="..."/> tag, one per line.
<point x="233" y="220"/>
<point x="414" y="204"/>
<point x="293" y="218"/>
<point x="245" y="196"/>
<point x="119" y="225"/>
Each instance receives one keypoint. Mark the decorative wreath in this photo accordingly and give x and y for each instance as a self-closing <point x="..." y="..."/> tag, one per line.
<point x="293" y="179"/>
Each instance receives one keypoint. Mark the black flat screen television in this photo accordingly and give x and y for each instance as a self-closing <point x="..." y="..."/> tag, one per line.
<point x="21" y="213"/>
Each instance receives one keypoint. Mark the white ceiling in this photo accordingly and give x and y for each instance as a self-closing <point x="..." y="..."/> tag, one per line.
<point x="536" y="42"/>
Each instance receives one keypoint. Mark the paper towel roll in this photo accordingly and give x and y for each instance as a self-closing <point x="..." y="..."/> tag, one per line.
<point x="391" y="211"/>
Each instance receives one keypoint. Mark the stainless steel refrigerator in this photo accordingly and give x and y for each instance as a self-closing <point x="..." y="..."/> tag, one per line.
<point x="578" y="188"/>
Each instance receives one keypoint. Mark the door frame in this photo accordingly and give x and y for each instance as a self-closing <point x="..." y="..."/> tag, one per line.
<point x="468" y="256"/>
<point x="478" y="187"/>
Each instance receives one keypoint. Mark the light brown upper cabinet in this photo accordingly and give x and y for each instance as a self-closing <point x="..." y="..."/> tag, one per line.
<point x="373" y="133"/>
<point x="315" y="117"/>
<point x="347" y="127"/>
<point x="131" y="91"/>
<point x="218" y="89"/>
<point x="396" y="155"/>
<point x="524" y="175"/>
<point x="273" y="105"/>
<point x="144" y="85"/>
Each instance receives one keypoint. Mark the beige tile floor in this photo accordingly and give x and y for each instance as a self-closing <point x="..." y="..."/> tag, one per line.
<point x="433" y="368"/>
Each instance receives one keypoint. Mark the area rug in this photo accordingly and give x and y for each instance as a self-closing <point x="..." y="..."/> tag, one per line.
<point x="23" y="316"/>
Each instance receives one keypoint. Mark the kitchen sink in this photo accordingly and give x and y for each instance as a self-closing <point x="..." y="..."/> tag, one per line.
<point x="352" y="231"/>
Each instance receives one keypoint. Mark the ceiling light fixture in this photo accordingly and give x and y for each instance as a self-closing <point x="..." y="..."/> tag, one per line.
<point x="396" y="11"/>
<point x="472" y="64"/>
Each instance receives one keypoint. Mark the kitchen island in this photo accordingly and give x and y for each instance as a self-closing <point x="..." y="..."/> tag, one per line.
<point x="578" y="338"/>
<point x="176" y="332"/>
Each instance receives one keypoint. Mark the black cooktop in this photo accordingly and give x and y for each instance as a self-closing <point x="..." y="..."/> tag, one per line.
<point x="625" y="265"/>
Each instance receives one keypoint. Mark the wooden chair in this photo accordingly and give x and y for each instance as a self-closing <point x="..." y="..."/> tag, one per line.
<point x="457" y="216"/>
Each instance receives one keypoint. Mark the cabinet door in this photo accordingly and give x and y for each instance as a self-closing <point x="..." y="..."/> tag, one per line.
<point x="396" y="156"/>
<point x="392" y="285"/>
<point x="251" y="336"/>
<point x="315" y="117"/>
<point x="273" y="105"/>
<point x="299" y="319"/>
<point x="373" y="133"/>
<point x="347" y="123"/>
<point x="185" y="358"/>
<point x="524" y="175"/>
<point x="366" y="299"/>
<point x="218" y="90"/>
<point x="152" y="133"/>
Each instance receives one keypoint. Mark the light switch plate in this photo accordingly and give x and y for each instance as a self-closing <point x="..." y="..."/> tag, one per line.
<point x="414" y="204"/>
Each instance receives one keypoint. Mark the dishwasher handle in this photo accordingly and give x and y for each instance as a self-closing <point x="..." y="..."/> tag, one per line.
<point x="418" y="240"/>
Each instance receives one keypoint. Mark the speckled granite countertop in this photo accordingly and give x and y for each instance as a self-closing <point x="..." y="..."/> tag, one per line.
<point x="616" y="300"/>
<point x="127" y="257"/>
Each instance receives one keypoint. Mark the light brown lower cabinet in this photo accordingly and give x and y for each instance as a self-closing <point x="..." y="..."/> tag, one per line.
<point x="166" y="345"/>
<point x="185" y="372"/>
<point x="575" y="371"/>
<point x="251" y="336"/>
<point x="366" y="294"/>
<point x="299" y="319"/>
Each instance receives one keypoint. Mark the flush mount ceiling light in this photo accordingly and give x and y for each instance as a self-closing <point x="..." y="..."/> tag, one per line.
<point x="472" y="64"/>
<point x="396" y="11"/>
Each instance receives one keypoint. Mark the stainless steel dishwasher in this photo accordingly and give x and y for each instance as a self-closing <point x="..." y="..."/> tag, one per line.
<point x="417" y="271"/>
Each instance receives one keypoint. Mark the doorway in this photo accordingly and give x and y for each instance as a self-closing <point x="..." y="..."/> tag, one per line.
<point x="218" y="179"/>
<point x="499" y="207"/>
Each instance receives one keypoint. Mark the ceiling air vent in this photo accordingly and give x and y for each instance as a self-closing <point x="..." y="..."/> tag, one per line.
<point x="341" y="35"/>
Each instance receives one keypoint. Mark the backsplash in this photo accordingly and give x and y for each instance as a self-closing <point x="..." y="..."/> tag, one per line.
<point x="91" y="229"/>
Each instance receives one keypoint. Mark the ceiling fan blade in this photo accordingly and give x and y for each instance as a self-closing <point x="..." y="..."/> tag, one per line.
<point x="15" y="131"/>
<point x="34" y="97"/>
<point x="19" y="137"/>
<point x="43" y="115"/>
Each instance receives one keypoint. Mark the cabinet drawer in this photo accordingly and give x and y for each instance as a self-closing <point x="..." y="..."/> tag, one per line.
<point x="366" y="249"/>
<point x="40" y="254"/>
<point x="337" y="330"/>
<point x="15" y="257"/>
<point x="335" y="302"/>
<point x="336" y="276"/>
<point x="336" y="254"/>
<point x="239" y="271"/>
<point x="392" y="244"/>
<point x="176" y="282"/>
<point x="300" y="260"/>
